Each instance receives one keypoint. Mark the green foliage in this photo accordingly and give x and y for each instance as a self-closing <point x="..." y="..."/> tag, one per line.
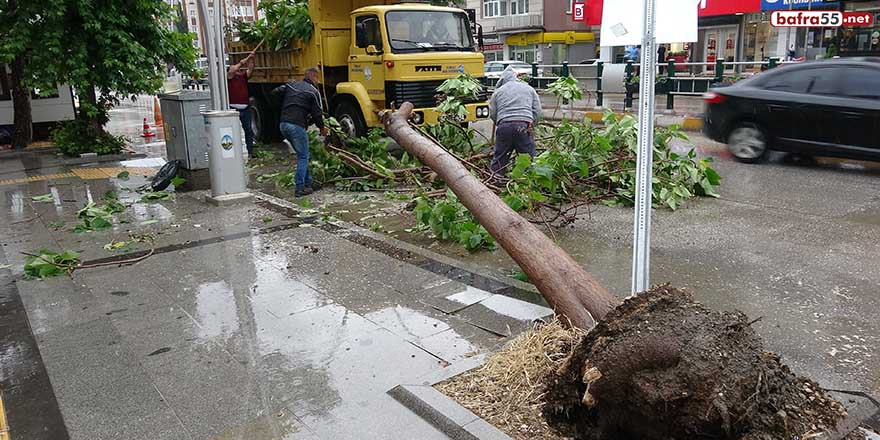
<point x="579" y="164"/>
<point x="155" y="196"/>
<point x="286" y="21"/>
<point x="566" y="88"/>
<point x="462" y="86"/>
<point x="177" y="181"/>
<point x="448" y="219"/>
<point x="456" y="91"/>
<point x="119" y="47"/>
<point x="45" y="198"/>
<point x="264" y="155"/>
<point x="45" y="263"/>
<point x="94" y="218"/>
<point x="123" y="175"/>
<point x="79" y="136"/>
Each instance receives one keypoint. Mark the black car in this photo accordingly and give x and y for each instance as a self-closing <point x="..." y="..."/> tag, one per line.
<point x="822" y="108"/>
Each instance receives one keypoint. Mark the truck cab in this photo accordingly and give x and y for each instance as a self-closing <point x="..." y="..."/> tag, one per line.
<point x="372" y="56"/>
<point x="402" y="53"/>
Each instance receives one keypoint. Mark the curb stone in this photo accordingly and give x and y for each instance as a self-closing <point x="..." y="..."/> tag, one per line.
<point x="441" y="411"/>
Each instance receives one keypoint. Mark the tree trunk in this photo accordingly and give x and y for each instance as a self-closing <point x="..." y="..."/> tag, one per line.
<point x="567" y="287"/>
<point x="90" y="96"/>
<point x="22" y="124"/>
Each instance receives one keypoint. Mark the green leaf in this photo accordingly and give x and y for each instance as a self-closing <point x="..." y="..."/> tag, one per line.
<point x="713" y="176"/>
<point x="114" y="245"/>
<point x="523" y="162"/>
<point x="177" y="181"/>
<point x="123" y="175"/>
<point x="45" y="198"/>
<point x="100" y="223"/>
<point x="149" y="222"/>
<point x="267" y="219"/>
<point x="155" y="196"/>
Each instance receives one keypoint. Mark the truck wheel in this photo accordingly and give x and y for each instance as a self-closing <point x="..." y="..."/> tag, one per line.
<point x="351" y="119"/>
<point x="263" y="121"/>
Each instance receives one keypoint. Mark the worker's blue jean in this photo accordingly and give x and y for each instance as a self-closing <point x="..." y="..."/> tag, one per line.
<point x="299" y="138"/>
<point x="246" y="117"/>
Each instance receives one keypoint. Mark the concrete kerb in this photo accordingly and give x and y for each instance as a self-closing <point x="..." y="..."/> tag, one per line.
<point x="348" y="228"/>
<point x="442" y="411"/>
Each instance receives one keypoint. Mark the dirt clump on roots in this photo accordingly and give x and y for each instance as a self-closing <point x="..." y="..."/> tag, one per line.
<point x="662" y="366"/>
<point x="508" y="390"/>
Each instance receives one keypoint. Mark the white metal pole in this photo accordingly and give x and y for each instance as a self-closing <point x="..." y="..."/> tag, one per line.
<point x="206" y="20"/>
<point x="220" y="51"/>
<point x="642" y="221"/>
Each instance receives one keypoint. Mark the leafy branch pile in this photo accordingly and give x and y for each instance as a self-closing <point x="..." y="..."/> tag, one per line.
<point x="286" y="21"/>
<point x="576" y="165"/>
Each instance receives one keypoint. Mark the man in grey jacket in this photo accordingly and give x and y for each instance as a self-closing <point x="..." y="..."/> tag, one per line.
<point x="515" y="107"/>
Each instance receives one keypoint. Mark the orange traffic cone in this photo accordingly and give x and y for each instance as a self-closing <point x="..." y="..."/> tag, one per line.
<point x="157" y="112"/>
<point x="147" y="132"/>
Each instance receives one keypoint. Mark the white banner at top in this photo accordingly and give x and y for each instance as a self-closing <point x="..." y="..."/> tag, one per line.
<point x="622" y="22"/>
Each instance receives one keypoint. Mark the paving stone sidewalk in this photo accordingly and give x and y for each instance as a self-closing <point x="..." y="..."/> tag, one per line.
<point x="249" y="322"/>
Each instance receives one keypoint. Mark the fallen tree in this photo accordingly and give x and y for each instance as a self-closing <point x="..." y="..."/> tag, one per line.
<point x="566" y="286"/>
<point x="657" y="366"/>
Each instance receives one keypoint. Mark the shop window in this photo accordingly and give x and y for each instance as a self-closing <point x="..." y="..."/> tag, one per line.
<point x="527" y="54"/>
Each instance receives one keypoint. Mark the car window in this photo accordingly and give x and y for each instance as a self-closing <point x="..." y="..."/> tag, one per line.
<point x="794" y="81"/>
<point x="819" y="81"/>
<point x="861" y="82"/>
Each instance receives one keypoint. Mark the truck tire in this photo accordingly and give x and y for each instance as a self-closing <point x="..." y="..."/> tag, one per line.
<point x="265" y="121"/>
<point x="351" y="119"/>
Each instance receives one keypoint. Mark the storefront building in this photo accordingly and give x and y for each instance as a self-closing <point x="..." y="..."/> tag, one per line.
<point x="856" y="41"/>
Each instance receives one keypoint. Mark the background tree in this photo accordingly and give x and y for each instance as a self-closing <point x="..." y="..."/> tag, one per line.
<point x="118" y="48"/>
<point x="27" y="40"/>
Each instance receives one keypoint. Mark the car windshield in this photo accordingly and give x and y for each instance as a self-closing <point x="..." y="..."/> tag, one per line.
<point x="420" y="31"/>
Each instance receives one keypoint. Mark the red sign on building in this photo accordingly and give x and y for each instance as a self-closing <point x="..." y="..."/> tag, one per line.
<point x="578" y="11"/>
<point x="708" y="8"/>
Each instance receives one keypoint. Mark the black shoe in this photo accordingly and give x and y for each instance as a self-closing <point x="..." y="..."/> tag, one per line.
<point x="304" y="191"/>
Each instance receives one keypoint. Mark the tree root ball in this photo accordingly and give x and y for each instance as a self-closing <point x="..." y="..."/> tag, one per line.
<point x="661" y="366"/>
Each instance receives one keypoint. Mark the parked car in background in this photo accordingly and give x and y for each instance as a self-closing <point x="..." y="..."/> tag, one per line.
<point x="822" y="108"/>
<point x="494" y="68"/>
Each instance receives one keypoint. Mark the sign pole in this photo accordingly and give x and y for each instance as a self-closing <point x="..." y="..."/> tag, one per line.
<point x="642" y="222"/>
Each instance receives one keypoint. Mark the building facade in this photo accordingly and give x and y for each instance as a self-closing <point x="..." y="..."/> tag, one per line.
<point x="236" y="10"/>
<point x="533" y="31"/>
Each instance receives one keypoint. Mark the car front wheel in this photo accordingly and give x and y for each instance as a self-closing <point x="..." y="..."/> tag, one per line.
<point x="747" y="143"/>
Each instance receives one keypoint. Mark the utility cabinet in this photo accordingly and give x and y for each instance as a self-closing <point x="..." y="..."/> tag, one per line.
<point x="186" y="139"/>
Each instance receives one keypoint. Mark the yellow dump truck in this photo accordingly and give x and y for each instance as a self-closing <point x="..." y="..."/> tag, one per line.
<point x="371" y="55"/>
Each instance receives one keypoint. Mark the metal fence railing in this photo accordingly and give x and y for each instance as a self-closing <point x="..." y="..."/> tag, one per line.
<point x="597" y="78"/>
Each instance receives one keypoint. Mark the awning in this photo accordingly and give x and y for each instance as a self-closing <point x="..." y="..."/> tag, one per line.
<point x="569" y="37"/>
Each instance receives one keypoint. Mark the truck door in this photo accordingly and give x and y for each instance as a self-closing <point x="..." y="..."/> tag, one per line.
<point x="365" y="62"/>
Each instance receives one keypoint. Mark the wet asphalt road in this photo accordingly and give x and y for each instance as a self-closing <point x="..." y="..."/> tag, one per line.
<point x="795" y="243"/>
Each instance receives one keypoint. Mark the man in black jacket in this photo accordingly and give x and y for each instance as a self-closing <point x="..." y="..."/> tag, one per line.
<point x="300" y="107"/>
